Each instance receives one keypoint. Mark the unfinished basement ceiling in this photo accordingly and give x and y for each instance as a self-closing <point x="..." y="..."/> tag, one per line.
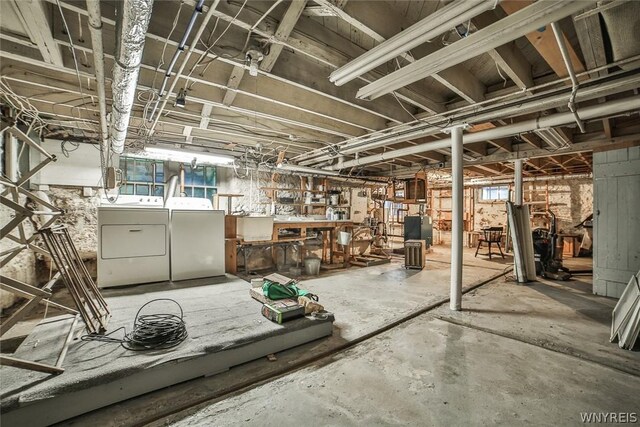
<point x="291" y="106"/>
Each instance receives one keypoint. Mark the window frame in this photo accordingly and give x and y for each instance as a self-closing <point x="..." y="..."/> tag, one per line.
<point x="500" y="191"/>
<point x="154" y="184"/>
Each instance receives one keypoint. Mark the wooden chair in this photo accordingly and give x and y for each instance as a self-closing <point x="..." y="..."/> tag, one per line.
<point x="490" y="235"/>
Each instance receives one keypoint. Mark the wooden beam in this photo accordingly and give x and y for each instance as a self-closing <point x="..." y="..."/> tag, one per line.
<point x="285" y="28"/>
<point x="36" y="24"/>
<point x="205" y="116"/>
<point x="382" y="21"/>
<point x="545" y="43"/>
<point x="508" y="56"/>
<point x="232" y="84"/>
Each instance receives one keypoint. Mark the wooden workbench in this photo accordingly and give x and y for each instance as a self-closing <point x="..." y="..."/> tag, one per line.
<point x="329" y="244"/>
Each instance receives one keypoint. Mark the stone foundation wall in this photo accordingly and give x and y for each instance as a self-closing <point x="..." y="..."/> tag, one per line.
<point x="22" y="267"/>
<point x="571" y="202"/>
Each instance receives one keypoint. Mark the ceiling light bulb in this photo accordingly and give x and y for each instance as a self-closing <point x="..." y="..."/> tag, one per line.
<point x="253" y="68"/>
<point x="181" y="99"/>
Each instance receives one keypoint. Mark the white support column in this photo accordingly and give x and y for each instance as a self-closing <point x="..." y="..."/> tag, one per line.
<point x="518" y="182"/>
<point x="11" y="157"/>
<point x="457" y="216"/>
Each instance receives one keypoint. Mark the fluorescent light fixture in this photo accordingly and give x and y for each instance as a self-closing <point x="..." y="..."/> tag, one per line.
<point x="186" y="156"/>
<point x="434" y="25"/>
<point x="552" y="137"/>
<point x="306" y="169"/>
<point x="505" y="30"/>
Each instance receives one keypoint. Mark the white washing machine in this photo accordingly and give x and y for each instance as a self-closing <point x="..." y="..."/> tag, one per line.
<point x="133" y="245"/>
<point x="197" y="239"/>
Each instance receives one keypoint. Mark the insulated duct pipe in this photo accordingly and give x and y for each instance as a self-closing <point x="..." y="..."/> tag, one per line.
<point x="192" y="47"/>
<point x="572" y="74"/>
<point x="171" y="186"/>
<point x="95" y="27"/>
<point x="436" y="24"/>
<point x="594" y="90"/>
<point x="131" y="31"/>
<point x="560" y="119"/>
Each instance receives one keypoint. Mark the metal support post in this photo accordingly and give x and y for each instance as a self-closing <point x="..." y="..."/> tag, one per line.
<point x="457" y="223"/>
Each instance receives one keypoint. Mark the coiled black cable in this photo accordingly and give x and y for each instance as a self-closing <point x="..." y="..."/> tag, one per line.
<point x="150" y="331"/>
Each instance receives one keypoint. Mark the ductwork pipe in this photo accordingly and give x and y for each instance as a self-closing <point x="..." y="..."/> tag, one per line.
<point x="95" y="27"/>
<point x="610" y="86"/>
<point x="171" y="186"/>
<point x="131" y="31"/>
<point x="560" y="119"/>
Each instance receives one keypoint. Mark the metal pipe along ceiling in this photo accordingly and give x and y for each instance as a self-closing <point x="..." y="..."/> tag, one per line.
<point x="95" y="27"/>
<point x="131" y="31"/>
<point x="604" y="87"/>
<point x="560" y="119"/>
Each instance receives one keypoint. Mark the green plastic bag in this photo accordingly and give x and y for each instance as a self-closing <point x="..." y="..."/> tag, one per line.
<point x="276" y="291"/>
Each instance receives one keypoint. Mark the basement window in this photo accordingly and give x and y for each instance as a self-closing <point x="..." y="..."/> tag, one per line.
<point x="494" y="193"/>
<point x="200" y="181"/>
<point x="143" y="177"/>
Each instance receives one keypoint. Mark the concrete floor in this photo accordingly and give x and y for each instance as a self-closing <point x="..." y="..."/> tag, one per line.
<point x="534" y="354"/>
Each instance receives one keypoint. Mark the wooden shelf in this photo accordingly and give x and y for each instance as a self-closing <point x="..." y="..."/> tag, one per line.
<point x="297" y="190"/>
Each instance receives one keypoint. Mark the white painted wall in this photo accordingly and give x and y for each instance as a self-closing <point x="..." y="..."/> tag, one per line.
<point x="80" y="169"/>
<point x="616" y="255"/>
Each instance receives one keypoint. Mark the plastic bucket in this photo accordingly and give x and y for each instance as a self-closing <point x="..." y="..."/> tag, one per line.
<point x="344" y="238"/>
<point x="312" y="266"/>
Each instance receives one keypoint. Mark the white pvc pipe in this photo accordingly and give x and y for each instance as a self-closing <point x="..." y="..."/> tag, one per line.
<point x="11" y="157"/>
<point x="518" y="181"/>
<point x="572" y="74"/>
<point x="457" y="223"/>
<point x="305" y="169"/>
<point x="501" y="110"/>
<point x="559" y="119"/>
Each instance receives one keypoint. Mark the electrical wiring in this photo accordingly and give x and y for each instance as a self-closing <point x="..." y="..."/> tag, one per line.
<point x="166" y="42"/>
<point x="158" y="331"/>
<point x="65" y="151"/>
<point x="411" y="114"/>
<point x="73" y="48"/>
<point x="208" y="49"/>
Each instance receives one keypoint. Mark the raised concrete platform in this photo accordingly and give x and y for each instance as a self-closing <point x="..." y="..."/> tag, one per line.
<point x="225" y="329"/>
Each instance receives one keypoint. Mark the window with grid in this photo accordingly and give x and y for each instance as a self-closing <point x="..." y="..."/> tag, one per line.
<point x="200" y="181"/>
<point x="143" y="177"/>
<point x="496" y="192"/>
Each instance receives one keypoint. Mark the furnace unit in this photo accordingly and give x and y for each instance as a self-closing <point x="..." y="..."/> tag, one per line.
<point x="418" y="227"/>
